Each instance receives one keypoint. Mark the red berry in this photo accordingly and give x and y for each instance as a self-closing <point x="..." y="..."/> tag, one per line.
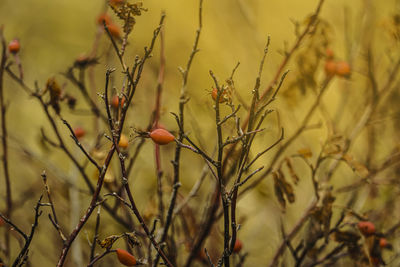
<point x="238" y="246"/>
<point x="330" y="68"/>
<point x="343" y="69"/>
<point x="161" y="136"/>
<point x="79" y="132"/>
<point x="366" y="228"/>
<point x="114" y="30"/>
<point x="383" y="243"/>
<point x="123" y="141"/>
<point x="2" y="222"/>
<point x="14" y="46"/>
<point x="125" y="257"/>
<point x="222" y="98"/>
<point x="103" y="18"/>
<point x="115" y="101"/>
<point x="329" y="53"/>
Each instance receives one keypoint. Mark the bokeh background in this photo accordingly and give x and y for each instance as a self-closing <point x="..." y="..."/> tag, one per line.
<point x="54" y="33"/>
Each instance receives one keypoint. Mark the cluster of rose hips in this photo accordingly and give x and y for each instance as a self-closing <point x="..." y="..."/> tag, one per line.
<point x="333" y="67"/>
<point x="368" y="229"/>
<point x="115" y="102"/>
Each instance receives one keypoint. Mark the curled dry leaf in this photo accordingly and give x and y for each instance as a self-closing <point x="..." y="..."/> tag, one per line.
<point x="126" y="12"/>
<point x="132" y="239"/>
<point x="292" y="172"/>
<point x="108" y="242"/>
<point x="356" y="166"/>
<point x="55" y="93"/>
<point x="283" y="190"/>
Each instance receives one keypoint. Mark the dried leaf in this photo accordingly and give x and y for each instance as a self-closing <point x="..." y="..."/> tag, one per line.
<point x="132" y="239"/>
<point x="108" y="241"/>
<point x="293" y="174"/>
<point x="335" y="139"/>
<point x="346" y="237"/>
<point x="55" y="93"/>
<point x="333" y="149"/>
<point x="356" y="166"/>
<point x="327" y="203"/>
<point x="305" y="152"/>
<point x="286" y="187"/>
<point x="126" y="12"/>
<point x="313" y="230"/>
<point x="278" y="191"/>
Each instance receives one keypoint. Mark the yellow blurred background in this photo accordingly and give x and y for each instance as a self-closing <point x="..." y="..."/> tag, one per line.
<point x="53" y="33"/>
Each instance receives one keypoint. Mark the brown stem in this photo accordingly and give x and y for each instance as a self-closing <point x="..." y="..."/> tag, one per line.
<point x="96" y="259"/>
<point x="4" y="142"/>
<point x="278" y="73"/>
<point x="155" y="123"/>
<point x="89" y="210"/>
<point x="289" y="141"/>
<point x="96" y="193"/>
<point x="23" y="254"/>
<point x="176" y="162"/>
<point x="221" y="182"/>
<point x="292" y="233"/>
<point x="63" y="147"/>
<point x="136" y="211"/>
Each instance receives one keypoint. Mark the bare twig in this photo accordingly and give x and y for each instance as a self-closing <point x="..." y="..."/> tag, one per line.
<point x="155" y="123"/>
<point x="95" y="236"/>
<point x="3" y="108"/>
<point x="292" y="233"/>
<point x="221" y="181"/>
<point x="53" y="218"/>
<point x="23" y="254"/>
<point x="182" y="102"/>
<point x="99" y="257"/>
<point x="88" y="156"/>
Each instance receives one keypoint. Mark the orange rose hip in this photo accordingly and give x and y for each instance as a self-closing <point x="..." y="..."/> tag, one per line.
<point x="123" y="141"/>
<point x="366" y="228"/>
<point x="125" y="257"/>
<point x="79" y="132"/>
<point x="343" y="69"/>
<point x="14" y="46"/>
<point x="238" y="246"/>
<point x="161" y="136"/>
